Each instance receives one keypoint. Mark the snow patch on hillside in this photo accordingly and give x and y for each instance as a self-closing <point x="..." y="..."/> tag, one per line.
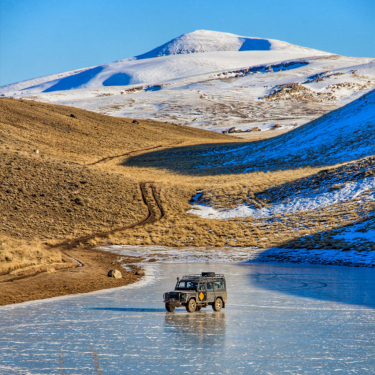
<point x="310" y="201"/>
<point x="357" y="232"/>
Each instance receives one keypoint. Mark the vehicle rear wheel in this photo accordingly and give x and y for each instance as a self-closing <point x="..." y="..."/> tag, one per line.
<point x="198" y="308"/>
<point x="169" y="307"/>
<point x="191" y="306"/>
<point x="217" y="306"/>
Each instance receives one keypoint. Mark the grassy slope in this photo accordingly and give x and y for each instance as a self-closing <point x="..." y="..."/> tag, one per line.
<point x="62" y="192"/>
<point x="85" y="180"/>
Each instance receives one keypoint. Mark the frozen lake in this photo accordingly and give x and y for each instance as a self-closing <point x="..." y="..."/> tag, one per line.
<point x="279" y="319"/>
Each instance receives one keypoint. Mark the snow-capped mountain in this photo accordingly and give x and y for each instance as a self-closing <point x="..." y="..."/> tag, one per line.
<point x="212" y="41"/>
<point x="209" y="52"/>
<point x="212" y="80"/>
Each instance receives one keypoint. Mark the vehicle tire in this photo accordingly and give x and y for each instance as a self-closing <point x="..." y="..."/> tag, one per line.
<point x="191" y="306"/>
<point x="169" y="307"/>
<point x="217" y="306"/>
<point x="198" y="308"/>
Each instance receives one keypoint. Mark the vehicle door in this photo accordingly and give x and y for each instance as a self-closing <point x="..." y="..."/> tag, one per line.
<point x="202" y="293"/>
<point x="219" y="287"/>
<point x="210" y="292"/>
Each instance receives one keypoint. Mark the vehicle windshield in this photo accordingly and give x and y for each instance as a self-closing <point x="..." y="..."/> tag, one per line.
<point x="186" y="285"/>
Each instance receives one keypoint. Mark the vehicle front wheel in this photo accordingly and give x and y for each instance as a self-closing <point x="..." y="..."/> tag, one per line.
<point x="169" y="307"/>
<point x="217" y="306"/>
<point x="191" y="306"/>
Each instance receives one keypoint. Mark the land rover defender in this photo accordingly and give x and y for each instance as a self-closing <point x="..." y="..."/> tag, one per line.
<point x="197" y="291"/>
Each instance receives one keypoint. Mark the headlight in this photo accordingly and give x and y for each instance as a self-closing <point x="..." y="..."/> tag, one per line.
<point x="183" y="295"/>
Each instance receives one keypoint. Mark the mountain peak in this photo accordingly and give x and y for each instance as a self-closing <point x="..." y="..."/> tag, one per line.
<point x="212" y="41"/>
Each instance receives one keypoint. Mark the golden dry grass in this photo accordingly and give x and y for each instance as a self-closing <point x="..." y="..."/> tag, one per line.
<point x="16" y="254"/>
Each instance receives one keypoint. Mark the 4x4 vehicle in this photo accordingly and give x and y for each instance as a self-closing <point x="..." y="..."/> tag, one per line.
<point x="197" y="291"/>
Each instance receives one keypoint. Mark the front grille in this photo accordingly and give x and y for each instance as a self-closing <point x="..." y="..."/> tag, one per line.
<point x="174" y="295"/>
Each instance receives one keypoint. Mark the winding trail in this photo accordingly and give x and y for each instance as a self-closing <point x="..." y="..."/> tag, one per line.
<point x="107" y="158"/>
<point x="155" y="212"/>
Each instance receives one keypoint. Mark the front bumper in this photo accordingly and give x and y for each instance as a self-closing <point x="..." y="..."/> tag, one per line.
<point x="175" y="299"/>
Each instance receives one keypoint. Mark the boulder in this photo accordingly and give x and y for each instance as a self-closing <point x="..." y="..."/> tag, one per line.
<point x="115" y="273"/>
<point x="140" y="273"/>
<point x="79" y="201"/>
<point x="232" y="130"/>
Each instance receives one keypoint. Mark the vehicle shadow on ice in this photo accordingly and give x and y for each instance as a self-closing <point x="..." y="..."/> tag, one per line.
<point x="129" y="309"/>
<point x="199" y="328"/>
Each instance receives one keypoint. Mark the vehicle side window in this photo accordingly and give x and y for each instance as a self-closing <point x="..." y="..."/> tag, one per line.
<point x="202" y="287"/>
<point x="190" y="285"/>
<point x="210" y="286"/>
<point x="219" y="285"/>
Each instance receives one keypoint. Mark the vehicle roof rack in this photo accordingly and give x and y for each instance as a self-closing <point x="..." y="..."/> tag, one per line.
<point x="202" y="277"/>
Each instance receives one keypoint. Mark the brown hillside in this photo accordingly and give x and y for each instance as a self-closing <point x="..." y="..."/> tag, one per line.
<point x="85" y="137"/>
<point x="60" y="183"/>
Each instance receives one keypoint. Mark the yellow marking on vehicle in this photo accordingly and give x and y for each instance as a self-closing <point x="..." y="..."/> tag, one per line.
<point x="201" y="296"/>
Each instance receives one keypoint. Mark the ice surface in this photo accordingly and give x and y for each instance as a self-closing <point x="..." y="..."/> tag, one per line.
<point x="279" y="320"/>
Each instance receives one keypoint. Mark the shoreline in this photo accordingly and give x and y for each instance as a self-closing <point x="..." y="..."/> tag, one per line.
<point x="92" y="276"/>
<point x="350" y="258"/>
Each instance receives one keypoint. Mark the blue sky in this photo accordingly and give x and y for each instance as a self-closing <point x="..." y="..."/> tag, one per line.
<point x="41" y="37"/>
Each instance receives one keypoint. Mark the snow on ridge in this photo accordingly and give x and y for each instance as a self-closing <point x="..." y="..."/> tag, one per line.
<point x="212" y="41"/>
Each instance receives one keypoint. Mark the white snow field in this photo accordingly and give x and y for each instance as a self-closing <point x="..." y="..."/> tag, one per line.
<point x="211" y="80"/>
<point x="279" y="320"/>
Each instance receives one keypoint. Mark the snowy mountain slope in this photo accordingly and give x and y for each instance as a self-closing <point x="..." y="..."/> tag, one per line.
<point x="133" y="71"/>
<point x="212" y="80"/>
<point x="343" y="135"/>
<point x="240" y="98"/>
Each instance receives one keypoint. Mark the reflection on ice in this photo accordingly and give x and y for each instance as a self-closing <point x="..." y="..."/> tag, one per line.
<point x="128" y="309"/>
<point x="202" y="328"/>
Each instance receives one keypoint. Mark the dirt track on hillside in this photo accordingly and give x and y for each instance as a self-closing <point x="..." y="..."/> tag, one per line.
<point x="154" y="213"/>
